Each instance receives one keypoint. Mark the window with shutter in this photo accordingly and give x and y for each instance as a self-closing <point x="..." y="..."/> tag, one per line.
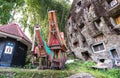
<point x="112" y="3"/>
<point x="114" y="54"/>
<point x="98" y="47"/>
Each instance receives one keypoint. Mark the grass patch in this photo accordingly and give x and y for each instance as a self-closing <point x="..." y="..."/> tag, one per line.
<point x="81" y="66"/>
<point x="72" y="68"/>
<point x="34" y="73"/>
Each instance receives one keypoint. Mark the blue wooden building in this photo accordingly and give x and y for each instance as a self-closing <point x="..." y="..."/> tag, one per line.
<point x="13" y="45"/>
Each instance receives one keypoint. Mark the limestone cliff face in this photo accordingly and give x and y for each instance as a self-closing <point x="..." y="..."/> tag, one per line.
<point x="93" y="29"/>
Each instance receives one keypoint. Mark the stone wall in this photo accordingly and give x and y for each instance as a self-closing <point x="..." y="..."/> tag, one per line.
<point x="92" y="31"/>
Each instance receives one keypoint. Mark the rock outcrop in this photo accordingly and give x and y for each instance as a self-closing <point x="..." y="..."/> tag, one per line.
<point x="82" y="75"/>
<point x="93" y="29"/>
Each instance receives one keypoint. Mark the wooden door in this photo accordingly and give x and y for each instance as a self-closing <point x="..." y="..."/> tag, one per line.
<point x="2" y="44"/>
<point x="117" y="20"/>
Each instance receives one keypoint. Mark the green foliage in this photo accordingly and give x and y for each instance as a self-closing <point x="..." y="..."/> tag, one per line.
<point x="113" y="73"/>
<point x="3" y="76"/>
<point x="36" y="12"/>
<point x="6" y="6"/>
<point x="72" y="68"/>
<point x="81" y="66"/>
<point x="25" y="73"/>
<point x="28" y="66"/>
<point x="88" y="64"/>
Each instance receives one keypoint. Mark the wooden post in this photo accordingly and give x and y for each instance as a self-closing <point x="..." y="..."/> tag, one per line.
<point x="40" y="64"/>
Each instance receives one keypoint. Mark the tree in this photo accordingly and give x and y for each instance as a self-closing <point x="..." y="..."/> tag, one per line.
<point x="6" y="6"/>
<point x="37" y="13"/>
<point x="34" y="12"/>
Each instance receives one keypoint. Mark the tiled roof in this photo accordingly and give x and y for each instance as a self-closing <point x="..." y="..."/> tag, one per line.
<point x="14" y="29"/>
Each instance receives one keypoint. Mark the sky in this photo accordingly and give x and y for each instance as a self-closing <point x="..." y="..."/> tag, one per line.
<point x="71" y="1"/>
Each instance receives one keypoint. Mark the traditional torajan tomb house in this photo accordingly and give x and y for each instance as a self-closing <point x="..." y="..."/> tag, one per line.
<point x="13" y="45"/>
